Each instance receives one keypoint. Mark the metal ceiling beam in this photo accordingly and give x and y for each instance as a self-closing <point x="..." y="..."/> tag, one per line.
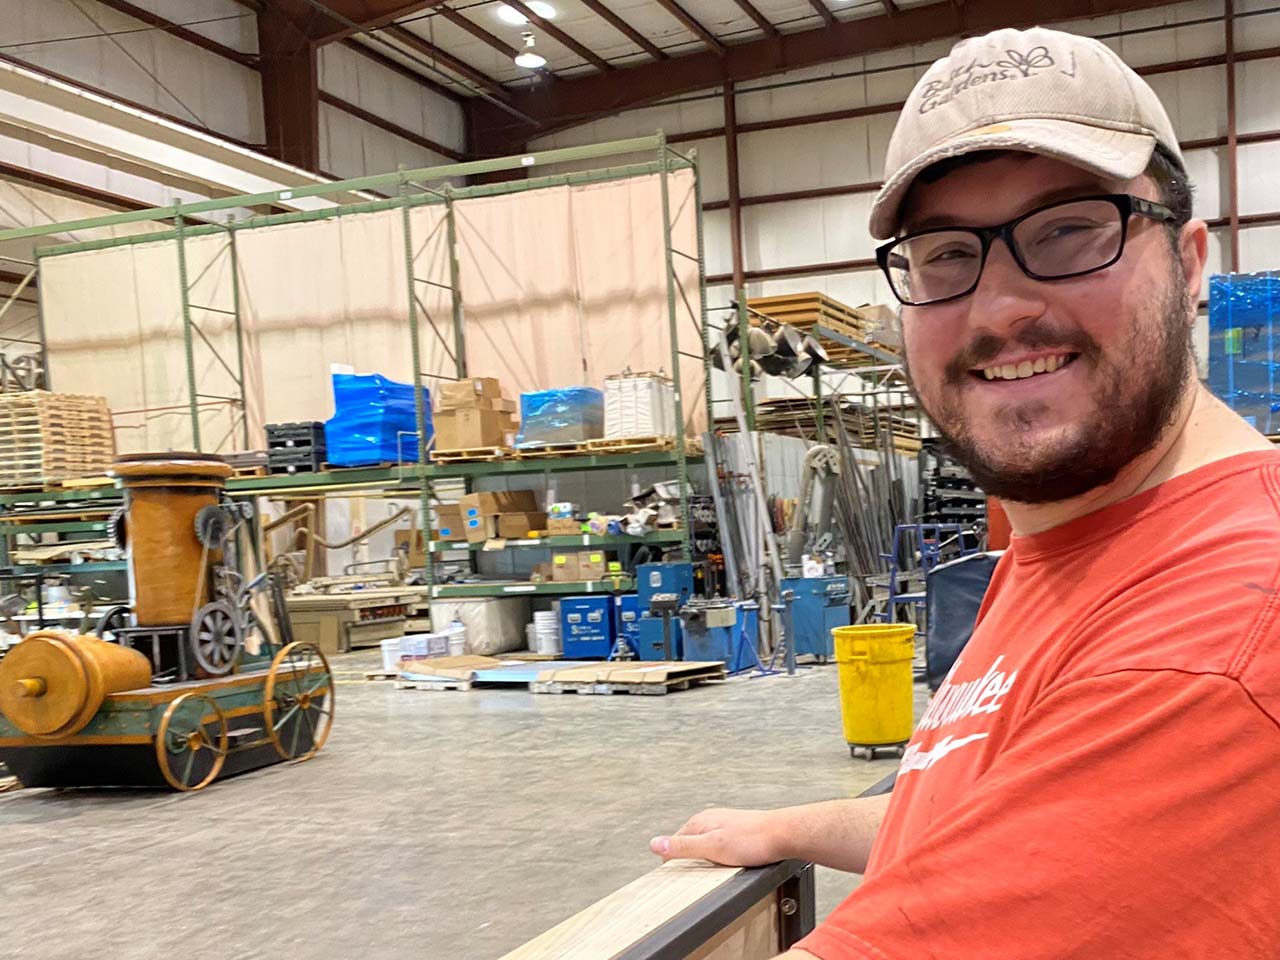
<point x="692" y="25"/>
<point x="181" y="32"/>
<point x="447" y="60"/>
<point x="763" y="22"/>
<point x="624" y="28"/>
<point x="827" y="16"/>
<point x="290" y="88"/>
<point x="562" y="38"/>
<point x="578" y="100"/>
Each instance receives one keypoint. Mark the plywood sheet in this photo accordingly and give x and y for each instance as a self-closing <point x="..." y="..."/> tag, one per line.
<point x="609" y="926"/>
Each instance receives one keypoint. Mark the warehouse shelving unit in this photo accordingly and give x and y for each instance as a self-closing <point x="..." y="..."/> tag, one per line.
<point x="408" y="189"/>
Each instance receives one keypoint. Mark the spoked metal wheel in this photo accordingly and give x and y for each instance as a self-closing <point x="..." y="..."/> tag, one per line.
<point x="216" y="637"/>
<point x="111" y="621"/>
<point x="191" y="743"/>
<point x="298" y="701"/>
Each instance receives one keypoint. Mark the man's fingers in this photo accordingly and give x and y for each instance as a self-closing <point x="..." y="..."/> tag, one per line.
<point x="689" y="847"/>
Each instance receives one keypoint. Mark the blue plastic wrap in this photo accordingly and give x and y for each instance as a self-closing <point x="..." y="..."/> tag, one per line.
<point x="560" y="416"/>
<point x="374" y="421"/>
<point x="1244" y="338"/>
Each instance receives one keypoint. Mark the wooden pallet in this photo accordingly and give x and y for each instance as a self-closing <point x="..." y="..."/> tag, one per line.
<point x="547" y="450"/>
<point x="646" y="679"/>
<point x="434" y="684"/>
<point x="471" y="455"/>
<point x="631" y="444"/>
<point x="47" y="437"/>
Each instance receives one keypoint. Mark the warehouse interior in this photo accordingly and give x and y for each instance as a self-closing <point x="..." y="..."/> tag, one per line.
<point x="446" y="443"/>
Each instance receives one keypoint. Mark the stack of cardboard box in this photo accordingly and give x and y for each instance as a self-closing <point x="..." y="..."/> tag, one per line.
<point x="473" y="414"/>
<point x="506" y="514"/>
<point x="578" y="565"/>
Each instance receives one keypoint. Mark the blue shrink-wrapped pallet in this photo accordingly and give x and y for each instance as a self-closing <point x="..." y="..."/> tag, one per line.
<point x="568" y="415"/>
<point x="374" y="421"/>
<point x="1244" y="339"/>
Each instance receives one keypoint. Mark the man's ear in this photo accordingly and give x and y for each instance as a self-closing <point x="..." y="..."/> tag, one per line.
<point x="1193" y="252"/>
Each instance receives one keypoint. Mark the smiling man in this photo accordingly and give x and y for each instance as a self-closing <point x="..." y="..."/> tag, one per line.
<point x="1099" y="777"/>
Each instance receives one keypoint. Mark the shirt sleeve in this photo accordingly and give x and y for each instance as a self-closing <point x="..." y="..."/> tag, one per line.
<point x="1131" y="815"/>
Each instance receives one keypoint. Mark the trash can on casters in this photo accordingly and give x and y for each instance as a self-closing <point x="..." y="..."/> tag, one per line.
<point x="876" y="698"/>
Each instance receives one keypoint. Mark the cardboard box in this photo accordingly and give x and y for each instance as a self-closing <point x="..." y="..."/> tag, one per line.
<point x="480" y="529"/>
<point x="513" y="525"/>
<point x="564" y="567"/>
<point x="472" y="428"/>
<point x="490" y="503"/>
<point x="592" y="565"/>
<point x="449" y="522"/>
<point x="557" y="527"/>
<point x="466" y="393"/>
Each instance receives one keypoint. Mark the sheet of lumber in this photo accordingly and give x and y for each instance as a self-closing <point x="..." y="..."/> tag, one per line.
<point x="753" y="936"/>
<point x="609" y="926"/>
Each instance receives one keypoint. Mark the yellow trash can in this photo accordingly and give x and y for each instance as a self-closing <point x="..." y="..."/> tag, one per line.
<point x="877" y="704"/>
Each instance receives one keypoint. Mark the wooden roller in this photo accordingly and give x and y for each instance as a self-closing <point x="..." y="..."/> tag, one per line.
<point x="51" y="684"/>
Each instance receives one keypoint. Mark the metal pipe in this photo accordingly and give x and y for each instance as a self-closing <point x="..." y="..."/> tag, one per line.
<point x="1233" y="169"/>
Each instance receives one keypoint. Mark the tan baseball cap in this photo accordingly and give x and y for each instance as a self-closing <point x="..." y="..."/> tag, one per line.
<point x="1035" y="91"/>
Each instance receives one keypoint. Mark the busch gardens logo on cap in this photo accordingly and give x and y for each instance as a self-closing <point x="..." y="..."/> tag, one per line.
<point x="1014" y="65"/>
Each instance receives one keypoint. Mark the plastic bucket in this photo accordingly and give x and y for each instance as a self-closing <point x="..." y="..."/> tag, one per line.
<point x="876" y="699"/>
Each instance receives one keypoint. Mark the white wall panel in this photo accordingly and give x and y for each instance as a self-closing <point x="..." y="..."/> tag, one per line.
<point x="349" y="147"/>
<point x="1196" y="101"/>
<point x="1259" y="248"/>
<point x="1260" y="30"/>
<point x="816" y="155"/>
<point x="148" y="67"/>
<point x="1259" y="185"/>
<point x="385" y="93"/>
<point x="1257" y="103"/>
<point x="717" y="255"/>
<point x="228" y="22"/>
<point x="1207" y="170"/>
<point x="807" y="231"/>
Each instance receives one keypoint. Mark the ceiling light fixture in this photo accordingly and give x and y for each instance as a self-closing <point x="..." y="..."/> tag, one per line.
<point x="517" y="19"/>
<point x="527" y="58"/>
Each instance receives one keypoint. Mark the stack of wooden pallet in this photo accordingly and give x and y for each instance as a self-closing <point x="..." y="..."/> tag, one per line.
<point x="905" y="431"/>
<point x="809" y="311"/>
<point x="47" y="437"/>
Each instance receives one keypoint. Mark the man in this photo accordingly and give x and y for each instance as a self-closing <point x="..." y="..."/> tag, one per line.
<point x="1100" y="775"/>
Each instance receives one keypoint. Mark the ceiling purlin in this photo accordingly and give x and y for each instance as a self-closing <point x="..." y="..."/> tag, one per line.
<point x="763" y="22"/>
<point x="628" y="31"/>
<point x="827" y="16"/>
<point x="692" y="25"/>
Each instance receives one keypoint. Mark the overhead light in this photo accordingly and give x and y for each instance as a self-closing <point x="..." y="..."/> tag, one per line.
<point x="527" y="58"/>
<point x="517" y="19"/>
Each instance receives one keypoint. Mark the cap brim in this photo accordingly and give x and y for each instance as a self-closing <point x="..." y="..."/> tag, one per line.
<point x="1114" y="154"/>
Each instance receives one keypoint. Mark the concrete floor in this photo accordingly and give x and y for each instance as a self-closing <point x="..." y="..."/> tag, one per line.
<point x="432" y="824"/>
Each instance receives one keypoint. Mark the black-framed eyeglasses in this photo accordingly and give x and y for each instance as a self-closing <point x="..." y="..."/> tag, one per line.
<point x="1066" y="239"/>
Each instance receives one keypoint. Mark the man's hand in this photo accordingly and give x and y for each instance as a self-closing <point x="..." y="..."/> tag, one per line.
<point x="735" y="838"/>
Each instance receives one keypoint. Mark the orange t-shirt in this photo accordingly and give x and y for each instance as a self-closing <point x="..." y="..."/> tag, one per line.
<point x="1099" y="777"/>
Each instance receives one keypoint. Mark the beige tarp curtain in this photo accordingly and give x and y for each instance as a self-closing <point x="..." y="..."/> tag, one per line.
<point x="561" y="286"/>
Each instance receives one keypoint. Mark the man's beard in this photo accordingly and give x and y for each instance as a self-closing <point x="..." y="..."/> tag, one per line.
<point x="1133" y="405"/>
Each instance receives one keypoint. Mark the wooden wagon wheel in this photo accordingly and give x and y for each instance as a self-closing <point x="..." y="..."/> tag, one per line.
<point x="191" y="742"/>
<point x="297" y="705"/>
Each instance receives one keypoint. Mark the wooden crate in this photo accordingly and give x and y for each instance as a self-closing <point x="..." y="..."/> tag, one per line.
<point x="49" y="437"/>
